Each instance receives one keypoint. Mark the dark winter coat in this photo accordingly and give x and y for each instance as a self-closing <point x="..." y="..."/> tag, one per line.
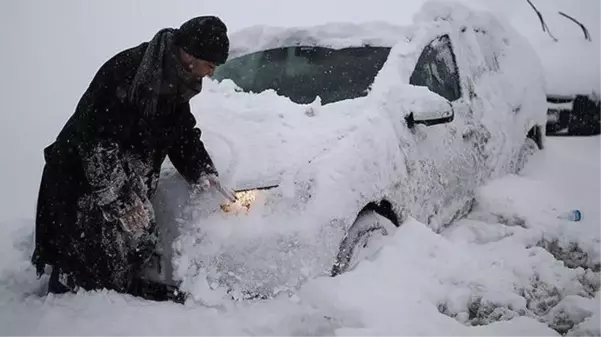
<point x="107" y="158"/>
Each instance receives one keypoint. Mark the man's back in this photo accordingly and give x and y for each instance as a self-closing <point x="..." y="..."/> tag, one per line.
<point x="107" y="89"/>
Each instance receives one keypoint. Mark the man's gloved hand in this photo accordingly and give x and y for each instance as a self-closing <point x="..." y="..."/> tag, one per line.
<point x="209" y="181"/>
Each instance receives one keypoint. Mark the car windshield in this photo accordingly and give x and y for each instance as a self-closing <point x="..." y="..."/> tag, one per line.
<point x="302" y="73"/>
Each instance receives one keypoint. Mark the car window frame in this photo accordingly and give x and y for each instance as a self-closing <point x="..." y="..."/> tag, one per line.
<point x="425" y="55"/>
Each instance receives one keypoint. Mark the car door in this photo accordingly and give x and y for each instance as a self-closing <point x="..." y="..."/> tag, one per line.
<point x="492" y="121"/>
<point x="441" y="162"/>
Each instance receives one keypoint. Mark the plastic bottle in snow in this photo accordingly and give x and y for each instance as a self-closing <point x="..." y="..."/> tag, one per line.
<point x="573" y="215"/>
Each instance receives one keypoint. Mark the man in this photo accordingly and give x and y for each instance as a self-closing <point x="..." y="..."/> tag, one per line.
<point x="95" y="223"/>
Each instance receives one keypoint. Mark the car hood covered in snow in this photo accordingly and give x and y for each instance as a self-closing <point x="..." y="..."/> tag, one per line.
<point x="255" y="138"/>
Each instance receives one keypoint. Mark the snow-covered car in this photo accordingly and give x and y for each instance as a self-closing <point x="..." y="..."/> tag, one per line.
<point x="334" y="135"/>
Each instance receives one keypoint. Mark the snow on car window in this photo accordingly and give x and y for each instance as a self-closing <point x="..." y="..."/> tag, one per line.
<point x="436" y="69"/>
<point x="443" y="53"/>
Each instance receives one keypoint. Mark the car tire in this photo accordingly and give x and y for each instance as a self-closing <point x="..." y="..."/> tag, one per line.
<point x="364" y="238"/>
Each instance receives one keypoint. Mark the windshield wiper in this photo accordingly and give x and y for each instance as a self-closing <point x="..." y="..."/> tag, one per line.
<point x="587" y="36"/>
<point x="546" y="29"/>
<point x="542" y="21"/>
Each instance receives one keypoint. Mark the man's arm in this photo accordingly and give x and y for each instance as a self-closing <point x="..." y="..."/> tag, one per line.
<point x="188" y="153"/>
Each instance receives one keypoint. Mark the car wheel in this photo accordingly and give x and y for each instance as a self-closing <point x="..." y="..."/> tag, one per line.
<point x="365" y="238"/>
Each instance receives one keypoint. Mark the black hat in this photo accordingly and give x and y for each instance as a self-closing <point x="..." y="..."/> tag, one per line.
<point x="205" y="38"/>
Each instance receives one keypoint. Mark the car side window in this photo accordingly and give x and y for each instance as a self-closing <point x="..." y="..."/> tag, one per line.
<point x="437" y="69"/>
<point x="257" y="71"/>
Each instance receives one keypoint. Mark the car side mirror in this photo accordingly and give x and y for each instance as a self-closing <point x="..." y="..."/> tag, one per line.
<point x="429" y="118"/>
<point x="429" y="109"/>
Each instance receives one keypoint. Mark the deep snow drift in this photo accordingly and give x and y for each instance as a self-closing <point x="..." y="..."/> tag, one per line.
<point x="503" y="270"/>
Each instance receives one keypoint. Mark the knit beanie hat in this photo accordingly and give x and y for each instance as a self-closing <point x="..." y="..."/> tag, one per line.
<point x="205" y="38"/>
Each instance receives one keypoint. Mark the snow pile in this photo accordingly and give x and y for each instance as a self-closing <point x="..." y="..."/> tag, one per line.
<point x="530" y="220"/>
<point x="331" y="35"/>
<point x="483" y="276"/>
<point x="559" y="276"/>
<point x="487" y="269"/>
<point x="421" y="274"/>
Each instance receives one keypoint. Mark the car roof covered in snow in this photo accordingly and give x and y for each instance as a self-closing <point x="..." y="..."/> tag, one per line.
<point x="332" y="35"/>
<point x="338" y="35"/>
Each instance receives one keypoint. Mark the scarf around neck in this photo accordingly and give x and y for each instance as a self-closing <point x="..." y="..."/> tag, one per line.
<point x="160" y="68"/>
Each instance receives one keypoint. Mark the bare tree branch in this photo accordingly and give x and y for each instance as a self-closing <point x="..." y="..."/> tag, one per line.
<point x="584" y="29"/>
<point x="542" y="21"/>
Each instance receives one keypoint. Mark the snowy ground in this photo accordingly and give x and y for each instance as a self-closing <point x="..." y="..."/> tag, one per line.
<point x="510" y="268"/>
